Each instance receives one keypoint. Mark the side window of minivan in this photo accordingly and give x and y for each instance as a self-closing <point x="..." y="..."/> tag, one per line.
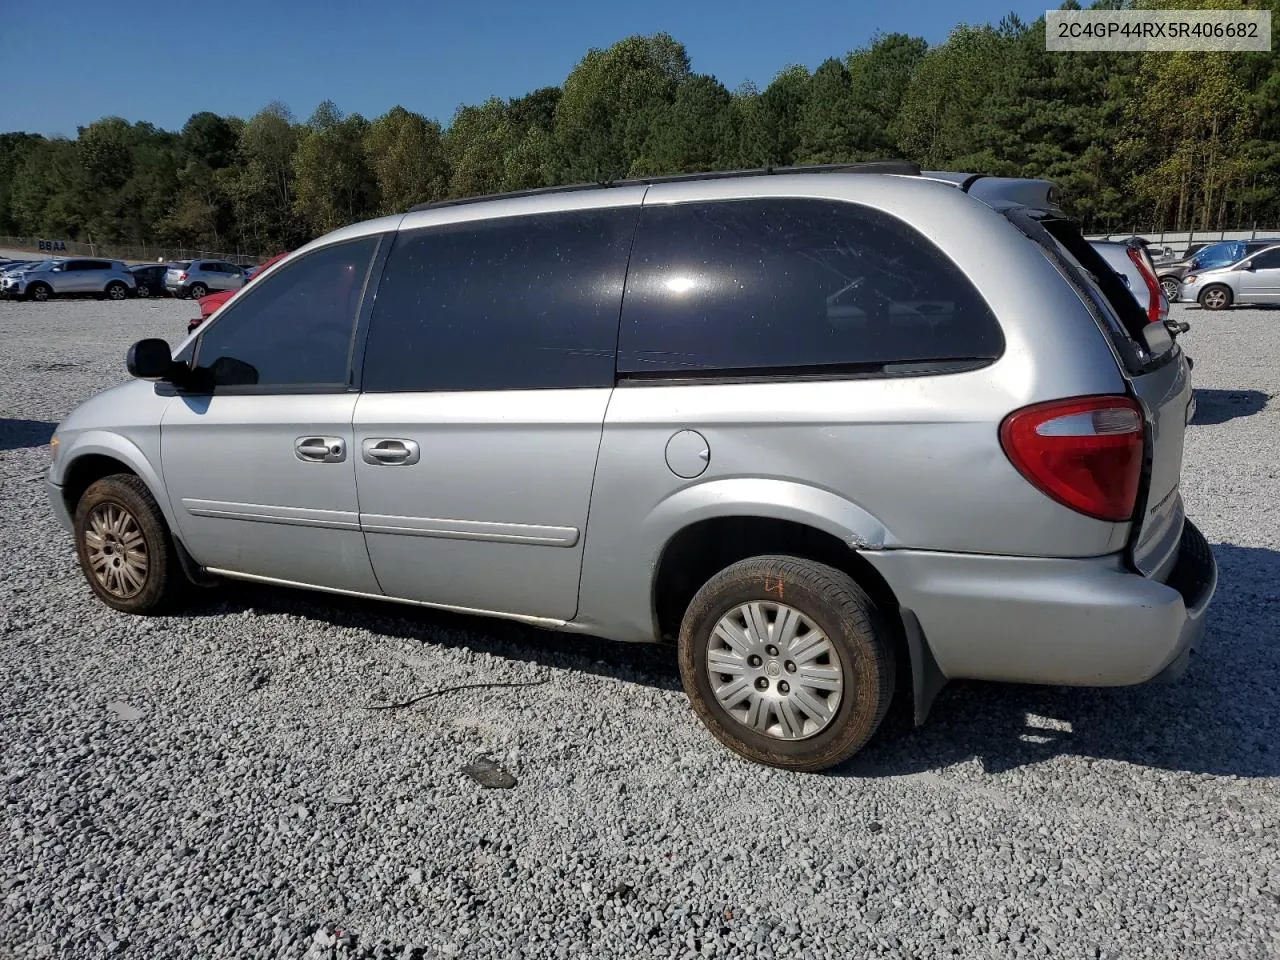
<point x="295" y="328"/>
<point x="527" y="302"/>
<point x="774" y="285"/>
<point x="1269" y="260"/>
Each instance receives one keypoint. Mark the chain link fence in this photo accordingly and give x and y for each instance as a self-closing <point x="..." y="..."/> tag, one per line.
<point x="132" y="253"/>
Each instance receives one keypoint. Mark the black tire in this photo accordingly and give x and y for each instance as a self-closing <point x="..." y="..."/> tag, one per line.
<point x="40" y="292"/>
<point x="116" y="290"/>
<point x="198" y="290"/>
<point x="1215" y="297"/>
<point x="143" y="290"/>
<point x="836" y="606"/>
<point x="1170" y="286"/>
<point x="162" y="582"/>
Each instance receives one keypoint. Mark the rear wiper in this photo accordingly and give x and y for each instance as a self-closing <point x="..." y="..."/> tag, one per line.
<point x="1176" y="327"/>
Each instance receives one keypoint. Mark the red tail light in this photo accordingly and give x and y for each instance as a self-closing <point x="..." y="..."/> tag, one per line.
<point x="182" y="276"/>
<point x="1156" y="308"/>
<point x="1086" y="453"/>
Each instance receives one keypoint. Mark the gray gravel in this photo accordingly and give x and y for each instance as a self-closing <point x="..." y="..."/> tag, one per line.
<point x="215" y="785"/>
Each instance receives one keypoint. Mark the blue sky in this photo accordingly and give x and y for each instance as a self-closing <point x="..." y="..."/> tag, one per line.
<point x="164" y="62"/>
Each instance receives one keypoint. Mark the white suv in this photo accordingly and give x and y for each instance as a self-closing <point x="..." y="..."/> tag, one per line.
<point x="74" y="276"/>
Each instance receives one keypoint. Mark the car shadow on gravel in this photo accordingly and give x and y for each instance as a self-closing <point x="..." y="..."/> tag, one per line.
<point x="1219" y="406"/>
<point x="1220" y="718"/>
<point x="20" y="434"/>
<point x="645" y="663"/>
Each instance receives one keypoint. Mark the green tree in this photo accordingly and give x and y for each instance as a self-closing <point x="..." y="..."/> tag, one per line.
<point x="406" y="153"/>
<point x="334" y="184"/>
<point x="611" y="102"/>
<point x="695" y="132"/>
<point x="767" y="123"/>
<point x="262" y="194"/>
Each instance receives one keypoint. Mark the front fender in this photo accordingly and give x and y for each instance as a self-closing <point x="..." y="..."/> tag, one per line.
<point x="107" y="444"/>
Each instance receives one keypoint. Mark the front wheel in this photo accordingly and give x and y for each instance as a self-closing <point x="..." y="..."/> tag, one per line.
<point x="1170" y="286"/>
<point x="39" y="292"/>
<point x="198" y="290"/>
<point x="144" y="290"/>
<point x="787" y="662"/>
<point x="124" y="547"/>
<point x="1216" y="297"/>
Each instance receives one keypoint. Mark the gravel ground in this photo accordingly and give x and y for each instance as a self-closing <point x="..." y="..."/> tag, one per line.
<point x="216" y="785"/>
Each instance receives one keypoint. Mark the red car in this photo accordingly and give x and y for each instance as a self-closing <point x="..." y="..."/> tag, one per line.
<point x="214" y="300"/>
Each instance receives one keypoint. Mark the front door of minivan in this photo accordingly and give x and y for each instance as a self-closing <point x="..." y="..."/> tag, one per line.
<point x="260" y="469"/>
<point x="487" y="373"/>
<point x="1260" y="283"/>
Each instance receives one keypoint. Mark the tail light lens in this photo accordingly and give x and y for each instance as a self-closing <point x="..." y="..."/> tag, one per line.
<point x="1157" y="309"/>
<point x="1085" y="453"/>
<point x="182" y="276"/>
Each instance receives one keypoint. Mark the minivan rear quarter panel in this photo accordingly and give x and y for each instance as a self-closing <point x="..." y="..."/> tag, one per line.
<point x="920" y="456"/>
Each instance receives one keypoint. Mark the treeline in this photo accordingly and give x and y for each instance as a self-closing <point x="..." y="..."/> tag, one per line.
<point x="1170" y="140"/>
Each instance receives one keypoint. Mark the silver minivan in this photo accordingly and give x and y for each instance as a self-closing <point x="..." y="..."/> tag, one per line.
<point x="1255" y="279"/>
<point x="800" y="423"/>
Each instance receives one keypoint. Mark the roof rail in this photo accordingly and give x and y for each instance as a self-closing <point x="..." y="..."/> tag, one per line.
<point x="900" y="167"/>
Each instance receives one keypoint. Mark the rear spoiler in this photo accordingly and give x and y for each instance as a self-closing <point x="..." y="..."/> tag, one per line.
<point x="1001" y="192"/>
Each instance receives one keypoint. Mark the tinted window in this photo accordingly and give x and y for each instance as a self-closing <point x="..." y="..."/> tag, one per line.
<point x="295" y="327"/>
<point x="1266" y="261"/>
<point x="751" y="284"/>
<point x="514" y="303"/>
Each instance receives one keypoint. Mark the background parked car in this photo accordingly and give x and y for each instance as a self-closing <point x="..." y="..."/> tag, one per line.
<point x="1254" y="279"/>
<point x="12" y="266"/>
<point x="1208" y="257"/>
<point x="72" y="276"/>
<point x="150" y="277"/>
<point x="214" y="300"/>
<point x="195" y="278"/>
<point x="1132" y="261"/>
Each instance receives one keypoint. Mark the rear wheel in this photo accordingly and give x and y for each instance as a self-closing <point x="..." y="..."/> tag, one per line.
<point x="39" y="292"/>
<point x="116" y="290"/>
<point x="1216" y="297"/>
<point x="198" y="290"/>
<point x="786" y="661"/>
<point x="124" y="547"/>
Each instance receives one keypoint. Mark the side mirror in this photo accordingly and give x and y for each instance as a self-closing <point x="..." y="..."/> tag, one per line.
<point x="1247" y="265"/>
<point x="150" y="359"/>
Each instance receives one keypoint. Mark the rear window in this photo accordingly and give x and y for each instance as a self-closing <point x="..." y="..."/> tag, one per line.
<point x="1115" y="307"/>
<point x="793" y="285"/>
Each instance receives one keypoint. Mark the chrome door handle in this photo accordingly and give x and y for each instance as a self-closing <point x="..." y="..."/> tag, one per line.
<point x="320" y="449"/>
<point x="389" y="452"/>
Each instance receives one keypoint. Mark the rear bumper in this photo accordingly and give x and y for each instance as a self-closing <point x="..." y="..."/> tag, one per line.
<point x="1089" y="622"/>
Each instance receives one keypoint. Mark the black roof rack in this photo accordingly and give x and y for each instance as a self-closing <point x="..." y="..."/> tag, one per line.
<point x="902" y="167"/>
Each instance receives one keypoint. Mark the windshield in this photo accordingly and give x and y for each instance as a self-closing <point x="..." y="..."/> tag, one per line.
<point x="1220" y="254"/>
